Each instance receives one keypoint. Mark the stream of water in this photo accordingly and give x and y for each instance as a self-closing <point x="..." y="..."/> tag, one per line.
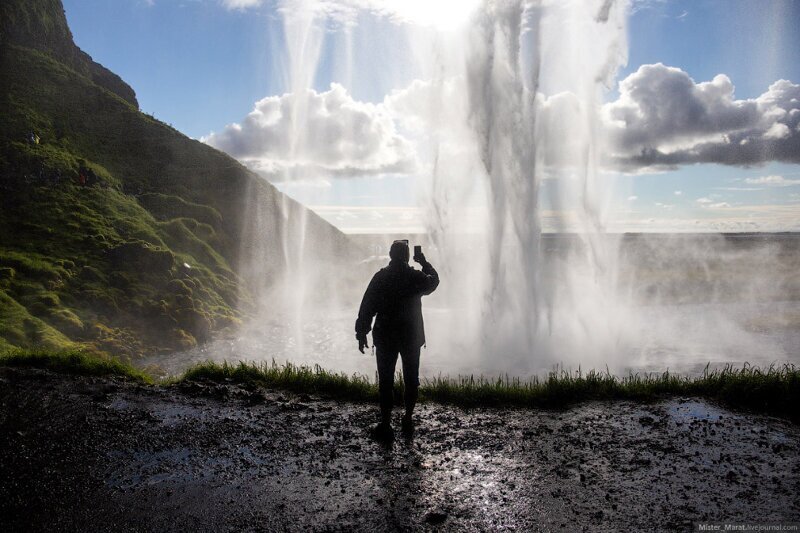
<point x="508" y="96"/>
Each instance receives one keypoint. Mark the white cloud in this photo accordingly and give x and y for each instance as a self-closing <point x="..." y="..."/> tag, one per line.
<point x="333" y="136"/>
<point x="772" y="181"/>
<point x="641" y="5"/>
<point x="661" y="120"/>
<point x="708" y="203"/>
<point x="240" y="4"/>
<point x="664" y="119"/>
<point x="632" y="198"/>
<point x="678" y="193"/>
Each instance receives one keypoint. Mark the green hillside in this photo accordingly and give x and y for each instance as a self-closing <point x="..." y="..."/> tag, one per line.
<point x="116" y="231"/>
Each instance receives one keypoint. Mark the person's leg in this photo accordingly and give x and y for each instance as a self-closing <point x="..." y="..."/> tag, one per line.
<point x="411" y="378"/>
<point x="387" y="361"/>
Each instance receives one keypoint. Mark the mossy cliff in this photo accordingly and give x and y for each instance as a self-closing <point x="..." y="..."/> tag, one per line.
<point x="117" y="231"/>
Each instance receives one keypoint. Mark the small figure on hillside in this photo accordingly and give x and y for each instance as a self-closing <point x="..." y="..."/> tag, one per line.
<point x="33" y="138"/>
<point x="86" y="176"/>
<point x="394" y="295"/>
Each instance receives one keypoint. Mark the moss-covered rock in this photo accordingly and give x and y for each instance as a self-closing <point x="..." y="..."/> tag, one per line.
<point x="183" y="340"/>
<point x="66" y="321"/>
<point x="140" y="256"/>
<point x="21" y="329"/>
<point x="7" y="273"/>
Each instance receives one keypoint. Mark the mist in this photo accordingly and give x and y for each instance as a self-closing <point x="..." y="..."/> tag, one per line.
<point x="506" y="117"/>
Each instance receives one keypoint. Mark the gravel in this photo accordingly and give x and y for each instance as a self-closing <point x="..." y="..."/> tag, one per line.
<point x="89" y="454"/>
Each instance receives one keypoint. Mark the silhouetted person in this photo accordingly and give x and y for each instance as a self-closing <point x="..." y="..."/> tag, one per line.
<point x="394" y="295"/>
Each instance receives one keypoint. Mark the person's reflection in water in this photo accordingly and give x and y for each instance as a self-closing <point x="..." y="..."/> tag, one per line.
<point x="394" y="295"/>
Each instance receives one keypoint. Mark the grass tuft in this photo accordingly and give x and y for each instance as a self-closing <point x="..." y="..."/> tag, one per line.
<point x="295" y="378"/>
<point x="773" y="390"/>
<point x="73" y="362"/>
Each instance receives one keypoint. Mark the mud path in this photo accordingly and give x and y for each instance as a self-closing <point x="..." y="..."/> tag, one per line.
<point x="97" y="454"/>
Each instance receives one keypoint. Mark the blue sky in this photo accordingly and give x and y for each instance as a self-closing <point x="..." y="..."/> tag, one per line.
<point x="201" y="66"/>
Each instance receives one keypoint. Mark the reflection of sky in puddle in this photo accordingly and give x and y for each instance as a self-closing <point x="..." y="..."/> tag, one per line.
<point x="151" y="468"/>
<point x="681" y="339"/>
<point x="691" y="410"/>
<point x="166" y="414"/>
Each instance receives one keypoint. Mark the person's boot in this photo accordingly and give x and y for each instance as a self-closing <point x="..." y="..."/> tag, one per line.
<point x="407" y="424"/>
<point x="383" y="430"/>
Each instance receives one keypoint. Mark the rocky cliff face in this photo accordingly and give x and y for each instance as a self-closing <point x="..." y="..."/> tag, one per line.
<point x="42" y="25"/>
<point x="117" y="231"/>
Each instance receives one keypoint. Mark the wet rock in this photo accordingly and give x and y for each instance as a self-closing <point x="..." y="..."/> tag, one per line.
<point x="435" y="518"/>
<point x="256" y="398"/>
<point x="172" y="461"/>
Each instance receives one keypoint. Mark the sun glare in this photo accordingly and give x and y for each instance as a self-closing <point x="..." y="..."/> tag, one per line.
<point x="441" y="14"/>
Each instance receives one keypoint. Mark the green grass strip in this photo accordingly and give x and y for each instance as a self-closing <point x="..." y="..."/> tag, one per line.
<point x="73" y="362"/>
<point x="773" y="390"/>
<point x="295" y="378"/>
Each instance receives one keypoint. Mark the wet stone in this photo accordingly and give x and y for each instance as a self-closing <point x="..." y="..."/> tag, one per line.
<point x="435" y="517"/>
<point x="175" y="458"/>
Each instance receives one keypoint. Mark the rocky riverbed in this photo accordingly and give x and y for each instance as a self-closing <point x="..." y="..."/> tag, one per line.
<point x="92" y="454"/>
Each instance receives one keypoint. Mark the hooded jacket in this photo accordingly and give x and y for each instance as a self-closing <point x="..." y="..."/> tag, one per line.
<point x="395" y="296"/>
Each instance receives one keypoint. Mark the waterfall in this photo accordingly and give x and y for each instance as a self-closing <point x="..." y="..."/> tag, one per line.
<point x="524" y="82"/>
<point x="509" y="100"/>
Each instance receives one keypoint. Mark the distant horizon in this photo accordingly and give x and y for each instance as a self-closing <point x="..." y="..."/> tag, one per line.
<point x="550" y="233"/>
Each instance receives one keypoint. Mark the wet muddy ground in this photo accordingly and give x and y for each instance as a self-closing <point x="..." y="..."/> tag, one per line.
<point x="95" y="454"/>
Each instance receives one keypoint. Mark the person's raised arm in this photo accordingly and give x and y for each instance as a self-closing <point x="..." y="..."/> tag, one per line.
<point x="429" y="279"/>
